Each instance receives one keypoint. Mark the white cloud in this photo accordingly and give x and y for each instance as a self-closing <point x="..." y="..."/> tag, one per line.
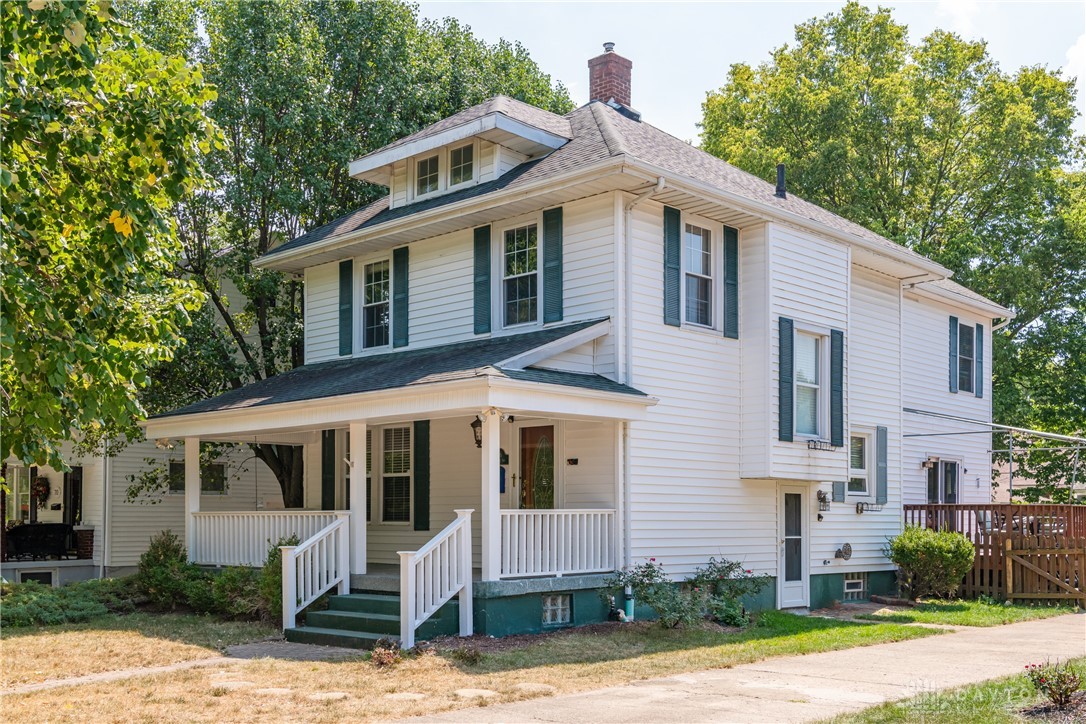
<point x="1076" y="68"/>
<point x="960" y="15"/>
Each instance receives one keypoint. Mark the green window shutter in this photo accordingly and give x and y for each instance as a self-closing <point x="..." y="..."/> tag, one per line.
<point x="346" y="307"/>
<point x="552" y="265"/>
<point x="787" y="365"/>
<point x="672" y="267"/>
<point x="328" y="469"/>
<point x="399" y="297"/>
<point x="953" y="354"/>
<point x="731" y="282"/>
<point x="978" y="350"/>
<point x="482" y="280"/>
<point x="837" y="388"/>
<point x="880" y="465"/>
<point x="838" y="491"/>
<point x="421" y="466"/>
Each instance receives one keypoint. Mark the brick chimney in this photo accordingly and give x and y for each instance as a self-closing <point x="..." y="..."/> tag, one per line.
<point x="609" y="77"/>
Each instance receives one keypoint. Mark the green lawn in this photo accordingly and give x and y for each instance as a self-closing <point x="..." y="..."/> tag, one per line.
<point x="967" y="613"/>
<point x="992" y="702"/>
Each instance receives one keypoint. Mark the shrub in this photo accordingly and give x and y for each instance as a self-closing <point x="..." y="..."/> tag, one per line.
<point x="165" y="576"/>
<point x="675" y="604"/>
<point x="467" y="655"/>
<point x="1058" y="682"/>
<point x="728" y="611"/>
<point x="932" y="563"/>
<point x="386" y="652"/>
<point x="32" y="604"/>
<point x="236" y="594"/>
<point x="270" y="581"/>
<point x="726" y="582"/>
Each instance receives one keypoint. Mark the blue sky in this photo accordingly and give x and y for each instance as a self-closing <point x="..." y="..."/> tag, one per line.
<point x="680" y="50"/>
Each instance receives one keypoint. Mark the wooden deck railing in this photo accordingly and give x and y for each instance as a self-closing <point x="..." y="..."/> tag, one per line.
<point x="990" y="526"/>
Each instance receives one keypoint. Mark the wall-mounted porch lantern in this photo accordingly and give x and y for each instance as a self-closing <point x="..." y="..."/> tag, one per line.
<point x="477" y="431"/>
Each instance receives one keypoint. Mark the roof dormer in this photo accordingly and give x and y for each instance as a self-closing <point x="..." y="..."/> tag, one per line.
<point x="471" y="147"/>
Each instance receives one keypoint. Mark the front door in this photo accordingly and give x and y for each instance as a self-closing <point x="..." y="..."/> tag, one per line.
<point x="792" y="576"/>
<point x="537" y="467"/>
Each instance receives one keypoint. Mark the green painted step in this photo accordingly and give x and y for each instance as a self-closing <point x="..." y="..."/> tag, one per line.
<point x="366" y="603"/>
<point x="333" y="637"/>
<point x="379" y="623"/>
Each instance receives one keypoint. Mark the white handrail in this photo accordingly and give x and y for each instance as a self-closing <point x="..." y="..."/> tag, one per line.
<point x="432" y="575"/>
<point x="314" y="566"/>
<point x="242" y="538"/>
<point x="557" y="542"/>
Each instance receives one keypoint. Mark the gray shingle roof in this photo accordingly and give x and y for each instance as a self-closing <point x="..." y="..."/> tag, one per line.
<point x="460" y="361"/>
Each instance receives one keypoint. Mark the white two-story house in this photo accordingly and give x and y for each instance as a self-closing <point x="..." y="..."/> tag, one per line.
<point x="608" y="346"/>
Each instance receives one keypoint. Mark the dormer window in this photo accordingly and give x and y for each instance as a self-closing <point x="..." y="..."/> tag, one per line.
<point x="426" y="176"/>
<point x="461" y="165"/>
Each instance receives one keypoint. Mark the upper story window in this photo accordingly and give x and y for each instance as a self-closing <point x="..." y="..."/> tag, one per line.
<point x="375" y="306"/>
<point x="396" y="475"/>
<point x="943" y="482"/>
<point x="698" y="269"/>
<point x="520" y="275"/>
<point x="426" y="175"/>
<point x="808" y="384"/>
<point x="966" y="357"/>
<point x="461" y="165"/>
<point x="859" y="470"/>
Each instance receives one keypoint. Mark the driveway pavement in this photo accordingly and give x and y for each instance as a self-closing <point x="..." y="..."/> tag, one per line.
<point x="812" y="687"/>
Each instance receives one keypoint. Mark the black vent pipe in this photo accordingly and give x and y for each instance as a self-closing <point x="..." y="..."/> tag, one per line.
<point x="782" y="192"/>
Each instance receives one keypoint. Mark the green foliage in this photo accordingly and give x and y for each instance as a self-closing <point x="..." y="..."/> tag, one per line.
<point x="1058" y="682"/>
<point x="167" y="578"/>
<point x="728" y="579"/>
<point x="236" y="594"/>
<point x="674" y="604"/>
<point x="932" y="145"/>
<point x="354" y="74"/>
<point x="100" y="138"/>
<point x="32" y="604"/>
<point x="271" y="576"/>
<point x="931" y="563"/>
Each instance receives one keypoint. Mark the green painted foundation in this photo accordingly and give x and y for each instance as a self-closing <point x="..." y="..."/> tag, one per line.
<point x="828" y="588"/>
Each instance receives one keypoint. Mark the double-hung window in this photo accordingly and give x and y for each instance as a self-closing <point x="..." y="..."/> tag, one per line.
<point x="461" y="164"/>
<point x="520" y="275"/>
<point x="396" y="475"/>
<point x="375" y="308"/>
<point x="859" y="470"/>
<point x="943" y="482"/>
<point x="808" y="382"/>
<point x="698" y="264"/>
<point x="966" y="357"/>
<point x="426" y="175"/>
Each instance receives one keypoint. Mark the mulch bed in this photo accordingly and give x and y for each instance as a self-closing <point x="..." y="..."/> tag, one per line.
<point x="1048" y="713"/>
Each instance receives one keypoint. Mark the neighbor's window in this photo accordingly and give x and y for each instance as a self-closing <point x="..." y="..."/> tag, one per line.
<point x="698" y="253"/>
<point x="857" y="464"/>
<point x="966" y="356"/>
<point x="943" y="482"/>
<point x="460" y="164"/>
<point x="396" y="475"/>
<point x="808" y="357"/>
<point x="375" y="305"/>
<point x="520" y="275"/>
<point x="426" y="176"/>
<point x="212" y="478"/>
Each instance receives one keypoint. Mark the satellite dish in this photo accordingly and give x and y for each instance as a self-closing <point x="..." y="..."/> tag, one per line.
<point x="844" y="552"/>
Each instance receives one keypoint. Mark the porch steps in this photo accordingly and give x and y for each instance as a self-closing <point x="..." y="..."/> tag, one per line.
<point x="358" y="620"/>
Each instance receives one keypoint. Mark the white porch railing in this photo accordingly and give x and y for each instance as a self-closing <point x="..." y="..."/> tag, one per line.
<point x="314" y="566"/>
<point x="243" y="538"/>
<point x="557" y="542"/>
<point x="433" y="574"/>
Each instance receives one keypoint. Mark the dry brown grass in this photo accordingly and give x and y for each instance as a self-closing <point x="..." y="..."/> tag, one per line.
<point x="114" y="643"/>
<point x="572" y="662"/>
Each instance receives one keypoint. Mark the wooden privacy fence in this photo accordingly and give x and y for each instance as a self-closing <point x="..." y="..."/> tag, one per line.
<point x="994" y="529"/>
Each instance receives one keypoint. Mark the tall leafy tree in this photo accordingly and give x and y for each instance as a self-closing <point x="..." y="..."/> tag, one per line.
<point x="101" y="138"/>
<point x="934" y="146"/>
<point x="303" y="88"/>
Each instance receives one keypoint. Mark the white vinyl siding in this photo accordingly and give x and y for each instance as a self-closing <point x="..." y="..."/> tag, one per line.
<point x="321" y="312"/>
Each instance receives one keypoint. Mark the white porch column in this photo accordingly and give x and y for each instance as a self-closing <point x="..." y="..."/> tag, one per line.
<point x="358" y="498"/>
<point x="192" y="492"/>
<point x="489" y="523"/>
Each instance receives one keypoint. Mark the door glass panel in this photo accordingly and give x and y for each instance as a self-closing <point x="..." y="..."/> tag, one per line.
<point x="950" y="482"/>
<point x="792" y="523"/>
<point x="793" y="541"/>
<point x="537" y="467"/>
<point x="793" y="563"/>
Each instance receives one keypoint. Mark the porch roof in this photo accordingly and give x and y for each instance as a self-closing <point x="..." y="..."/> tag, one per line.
<point x="493" y="357"/>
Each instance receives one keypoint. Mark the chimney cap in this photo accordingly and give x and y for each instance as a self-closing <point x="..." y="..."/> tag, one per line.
<point x="608" y="47"/>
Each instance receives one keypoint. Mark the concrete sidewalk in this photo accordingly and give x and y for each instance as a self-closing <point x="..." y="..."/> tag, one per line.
<point x="806" y="688"/>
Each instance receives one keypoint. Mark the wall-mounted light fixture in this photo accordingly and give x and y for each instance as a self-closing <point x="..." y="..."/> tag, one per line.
<point x="930" y="463"/>
<point x="477" y="431"/>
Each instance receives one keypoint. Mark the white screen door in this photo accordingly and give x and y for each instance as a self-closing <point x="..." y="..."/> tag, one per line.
<point x="792" y="576"/>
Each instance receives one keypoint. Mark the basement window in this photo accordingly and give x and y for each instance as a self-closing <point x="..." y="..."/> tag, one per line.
<point x="557" y="609"/>
<point x="855" y="586"/>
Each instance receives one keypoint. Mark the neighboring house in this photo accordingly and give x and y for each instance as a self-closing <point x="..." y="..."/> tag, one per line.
<point x="610" y="346"/>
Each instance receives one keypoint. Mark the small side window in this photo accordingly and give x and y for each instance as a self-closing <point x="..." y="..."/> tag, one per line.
<point x="858" y="467"/>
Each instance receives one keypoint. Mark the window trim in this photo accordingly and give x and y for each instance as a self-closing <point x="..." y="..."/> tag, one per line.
<point x="498" y="271"/>
<point x="716" y="269"/>
<point x="865" y="473"/>
<point x="822" y="403"/>
<point x="378" y="474"/>
<point x="361" y="296"/>
<point x="962" y="326"/>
